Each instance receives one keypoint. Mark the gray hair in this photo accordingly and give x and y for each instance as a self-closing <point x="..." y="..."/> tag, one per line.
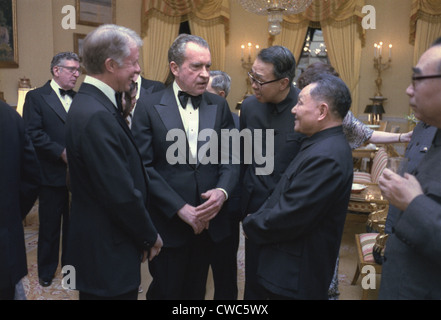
<point x="176" y="52"/>
<point x="220" y="81"/>
<point x="108" y="41"/>
<point x="282" y="59"/>
<point x="59" y="58"/>
<point x="334" y="92"/>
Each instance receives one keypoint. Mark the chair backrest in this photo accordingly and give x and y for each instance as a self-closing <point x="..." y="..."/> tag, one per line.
<point x="378" y="164"/>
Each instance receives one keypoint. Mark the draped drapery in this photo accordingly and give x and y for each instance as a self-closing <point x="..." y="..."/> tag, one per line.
<point x="425" y="25"/>
<point x="340" y="21"/>
<point x="161" y="20"/>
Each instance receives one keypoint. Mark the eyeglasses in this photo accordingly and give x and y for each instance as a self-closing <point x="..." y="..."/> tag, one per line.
<point x="416" y="78"/>
<point x="71" y="69"/>
<point x="261" y="83"/>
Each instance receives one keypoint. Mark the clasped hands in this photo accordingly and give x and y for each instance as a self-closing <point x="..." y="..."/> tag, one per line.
<point x="199" y="217"/>
<point x="399" y="191"/>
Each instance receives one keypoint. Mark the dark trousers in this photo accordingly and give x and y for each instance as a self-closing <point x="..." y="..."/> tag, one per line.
<point x="181" y="273"/>
<point x="7" y="293"/>
<point x="224" y="265"/>
<point x="253" y="290"/>
<point x="53" y="213"/>
<point x="132" y="295"/>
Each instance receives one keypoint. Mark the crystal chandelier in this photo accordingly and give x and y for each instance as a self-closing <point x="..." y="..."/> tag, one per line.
<point x="275" y="9"/>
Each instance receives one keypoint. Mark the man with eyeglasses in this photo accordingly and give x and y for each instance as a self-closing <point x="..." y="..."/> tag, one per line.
<point x="44" y="112"/>
<point x="269" y="108"/>
<point x="412" y="257"/>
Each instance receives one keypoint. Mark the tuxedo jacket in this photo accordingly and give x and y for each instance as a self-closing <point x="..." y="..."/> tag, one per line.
<point x="19" y="181"/>
<point x="255" y="115"/>
<point x="299" y="227"/>
<point x="151" y="85"/>
<point x="174" y="185"/>
<point x="45" y="119"/>
<point x="109" y="222"/>
<point x="412" y="258"/>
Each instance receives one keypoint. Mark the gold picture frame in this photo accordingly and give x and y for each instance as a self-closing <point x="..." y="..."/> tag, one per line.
<point x="95" y="12"/>
<point x="8" y="34"/>
<point x="78" y="47"/>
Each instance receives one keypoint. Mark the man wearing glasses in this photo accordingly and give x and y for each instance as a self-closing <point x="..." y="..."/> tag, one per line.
<point x="412" y="257"/>
<point x="44" y="114"/>
<point x="269" y="108"/>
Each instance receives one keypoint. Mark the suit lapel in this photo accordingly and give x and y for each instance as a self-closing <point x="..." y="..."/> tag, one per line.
<point x="105" y="101"/>
<point x="54" y="102"/>
<point x="207" y="120"/>
<point x="168" y="111"/>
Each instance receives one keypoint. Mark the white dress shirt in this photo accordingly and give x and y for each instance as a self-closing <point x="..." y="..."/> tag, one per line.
<point x="190" y="120"/>
<point x="66" y="100"/>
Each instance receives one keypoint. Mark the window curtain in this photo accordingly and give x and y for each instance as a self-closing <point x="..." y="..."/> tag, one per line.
<point x="425" y="25"/>
<point x="161" y="20"/>
<point x="340" y="21"/>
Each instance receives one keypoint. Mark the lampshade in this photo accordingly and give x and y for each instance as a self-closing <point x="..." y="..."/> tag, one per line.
<point x="374" y="108"/>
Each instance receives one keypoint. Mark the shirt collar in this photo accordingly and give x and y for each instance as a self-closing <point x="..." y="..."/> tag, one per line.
<point x="290" y="101"/>
<point x="104" y="87"/>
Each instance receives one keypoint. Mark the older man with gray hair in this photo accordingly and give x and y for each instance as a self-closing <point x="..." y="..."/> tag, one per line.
<point x="111" y="231"/>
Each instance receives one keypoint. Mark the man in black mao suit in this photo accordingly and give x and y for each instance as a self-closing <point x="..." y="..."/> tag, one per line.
<point x="110" y="232"/>
<point x="268" y="109"/>
<point x="187" y="193"/>
<point x="299" y="227"/>
<point x="412" y="258"/>
<point x="44" y="112"/>
<point x="19" y="182"/>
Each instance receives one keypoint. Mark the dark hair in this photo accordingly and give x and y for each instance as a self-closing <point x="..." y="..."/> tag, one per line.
<point x="176" y="52"/>
<point x="61" y="57"/>
<point x="334" y="92"/>
<point x="313" y="72"/>
<point x="220" y="81"/>
<point x="282" y="59"/>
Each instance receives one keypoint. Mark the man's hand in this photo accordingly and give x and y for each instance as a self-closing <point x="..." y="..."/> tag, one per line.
<point x="210" y="208"/>
<point x="64" y="156"/>
<point x="399" y="191"/>
<point x="154" y="251"/>
<point x="188" y="214"/>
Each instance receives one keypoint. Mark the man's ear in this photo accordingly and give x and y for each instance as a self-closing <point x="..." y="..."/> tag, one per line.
<point x="174" y="68"/>
<point x="285" y="83"/>
<point x="110" y="65"/>
<point x="324" y="111"/>
<point x="221" y="93"/>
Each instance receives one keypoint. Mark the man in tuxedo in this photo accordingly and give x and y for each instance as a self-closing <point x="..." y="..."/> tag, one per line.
<point x="412" y="258"/>
<point x="19" y="183"/>
<point x="111" y="231"/>
<point x="44" y="112"/>
<point x="188" y="193"/>
<point x="299" y="227"/>
<point x="268" y="109"/>
<point x="150" y="86"/>
<point x="223" y="259"/>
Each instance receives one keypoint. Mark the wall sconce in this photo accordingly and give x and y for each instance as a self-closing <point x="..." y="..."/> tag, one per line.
<point x="379" y="66"/>
<point x="247" y="62"/>
<point x="24" y="86"/>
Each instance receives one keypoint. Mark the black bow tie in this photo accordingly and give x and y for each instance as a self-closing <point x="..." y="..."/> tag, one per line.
<point x="70" y="93"/>
<point x="183" y="97"/>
